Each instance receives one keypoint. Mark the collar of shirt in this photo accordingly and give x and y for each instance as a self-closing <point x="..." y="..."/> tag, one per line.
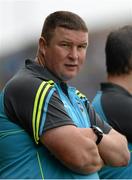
<point x="109" y="87"/>
<point x="40" y="71"/>
<point x="45" y="74"/>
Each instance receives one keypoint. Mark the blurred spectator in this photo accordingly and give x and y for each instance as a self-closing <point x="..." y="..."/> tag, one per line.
<point x="114" y="102"/>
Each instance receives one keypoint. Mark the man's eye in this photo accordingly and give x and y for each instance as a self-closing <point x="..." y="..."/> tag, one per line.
<point x="65" y="45"/>
<point x="82" y="47"/>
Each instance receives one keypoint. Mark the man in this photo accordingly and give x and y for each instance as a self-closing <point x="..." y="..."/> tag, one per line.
<point x="114" y="101"/>
<point x="46" y="130"/>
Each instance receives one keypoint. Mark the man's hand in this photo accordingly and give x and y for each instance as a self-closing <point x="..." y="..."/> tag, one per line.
<point x="113" y="149"/>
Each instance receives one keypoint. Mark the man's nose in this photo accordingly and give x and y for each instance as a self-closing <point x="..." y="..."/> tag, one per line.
<point x="73" y="53"/>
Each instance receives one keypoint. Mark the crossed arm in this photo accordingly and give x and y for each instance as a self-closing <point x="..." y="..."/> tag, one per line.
<point x="76" y="148"/>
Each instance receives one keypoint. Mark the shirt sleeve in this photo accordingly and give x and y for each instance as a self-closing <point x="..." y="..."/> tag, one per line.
<point x="96" y="120"/>
<point x="34" y="105"/>
<point x="56" y="114"/>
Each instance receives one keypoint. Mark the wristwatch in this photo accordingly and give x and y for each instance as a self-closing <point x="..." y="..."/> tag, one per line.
<point x="99" y="133"/>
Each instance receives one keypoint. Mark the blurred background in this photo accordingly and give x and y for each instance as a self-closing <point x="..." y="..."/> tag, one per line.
<point x="21" y="23"/>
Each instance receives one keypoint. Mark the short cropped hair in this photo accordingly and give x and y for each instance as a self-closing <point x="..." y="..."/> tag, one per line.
<point x="63" y="19"/>
<point x="118" y="51"/>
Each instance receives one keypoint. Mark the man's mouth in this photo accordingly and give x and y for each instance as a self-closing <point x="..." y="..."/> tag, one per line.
<point x="71" y="65"/>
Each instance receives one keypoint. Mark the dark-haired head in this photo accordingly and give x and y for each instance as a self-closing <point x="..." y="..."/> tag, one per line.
<point x="119" y="51"/>
<point x="63" y="19"/>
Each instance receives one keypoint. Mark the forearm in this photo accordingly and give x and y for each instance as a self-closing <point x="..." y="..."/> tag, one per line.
<point x="73" y="149"/>
<point x="113" y="149"/>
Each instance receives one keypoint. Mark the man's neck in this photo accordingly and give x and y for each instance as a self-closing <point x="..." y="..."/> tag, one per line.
<point x="124" y="81"/>
<point x="39" y="61"/>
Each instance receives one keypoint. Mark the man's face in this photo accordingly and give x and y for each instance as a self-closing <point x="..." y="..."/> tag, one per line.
<point x="66" y="52"/>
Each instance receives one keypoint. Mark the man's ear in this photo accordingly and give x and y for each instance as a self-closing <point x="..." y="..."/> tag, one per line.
<point x="42" y="45"/>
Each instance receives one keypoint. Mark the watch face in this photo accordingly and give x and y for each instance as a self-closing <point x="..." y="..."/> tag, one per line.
<point x="100" y="130"/>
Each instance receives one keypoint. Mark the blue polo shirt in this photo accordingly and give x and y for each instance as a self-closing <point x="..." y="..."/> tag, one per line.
<point x="26" y="104"/>
<point x="114" y="104"/>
